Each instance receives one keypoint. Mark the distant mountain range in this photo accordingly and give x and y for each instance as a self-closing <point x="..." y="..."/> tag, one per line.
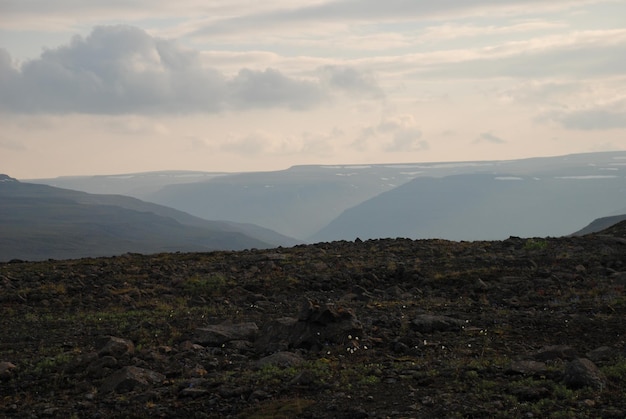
<point x="40" y="222"/>
<point x="548" y="196"/>
<point x="478" y="207"/>
<point x="601" y="224"/>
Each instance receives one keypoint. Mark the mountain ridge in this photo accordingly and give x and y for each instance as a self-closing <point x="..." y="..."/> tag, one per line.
<point x="303" y="200"/>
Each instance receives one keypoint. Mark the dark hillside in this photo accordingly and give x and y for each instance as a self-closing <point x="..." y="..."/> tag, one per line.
<point x="40" y="222"/>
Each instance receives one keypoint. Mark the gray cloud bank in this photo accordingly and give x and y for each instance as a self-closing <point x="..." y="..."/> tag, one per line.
<point x="377" y="11"/>
<point x="122" y="69"/>
<point x="605" y="117"/>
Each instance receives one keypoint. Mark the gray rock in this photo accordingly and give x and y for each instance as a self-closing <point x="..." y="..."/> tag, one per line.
<point x="258" y="395"/>
<point x="603" y="353"/>
<point x="116" y="347"/>
<point x="280" y="359"/>
<point x="219" y="334"/>
<point x="129" y="379"/>
<point x="581" y="372"/>
<point x="527" y="367"/>
<point x="322" y="314"/>
<point x="275" y="335"/>
<point x="316" y="326"/>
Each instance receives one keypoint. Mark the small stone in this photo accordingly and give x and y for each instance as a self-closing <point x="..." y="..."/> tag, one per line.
<point x="480" y="285"/>
<point x="7" y="369"/>
<point x="116" y="347"/>
<point x="258" y="395"/>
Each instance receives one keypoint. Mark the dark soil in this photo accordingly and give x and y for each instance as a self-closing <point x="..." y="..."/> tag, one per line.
<point x="398" y="328"/>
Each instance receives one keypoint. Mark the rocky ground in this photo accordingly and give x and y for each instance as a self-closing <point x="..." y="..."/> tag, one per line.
<point x="518" y="328"/>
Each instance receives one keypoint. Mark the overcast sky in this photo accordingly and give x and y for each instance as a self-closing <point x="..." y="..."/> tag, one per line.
<point x="108" y="87"/>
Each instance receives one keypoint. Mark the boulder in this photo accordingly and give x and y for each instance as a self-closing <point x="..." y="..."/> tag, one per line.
<point x="7" y="369"/>
<point x="582" y="372"/>
<point x="527" y="367"/>
<point x="116" y="347"/>
<point x="317" y="325"/>
<point x="277" y="335"/>
<point x="603" y="353"/>
<point x="219" y="334"/>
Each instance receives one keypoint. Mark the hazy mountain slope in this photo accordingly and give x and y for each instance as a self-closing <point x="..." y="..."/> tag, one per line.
<point x="479" y="206"/>
<point x="138" y="185"/>
<point x="600" y="224"/>
<point x="296" y="202"/>
<point x="302" y="200"/>
<point x="39" y="222"/>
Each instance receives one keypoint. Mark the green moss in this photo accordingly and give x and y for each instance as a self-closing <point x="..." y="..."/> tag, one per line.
<point x="53" y="363"/>
<point x="616" y="372"/>
<point x="535" y="244"/>
<point x="210" y="285"/>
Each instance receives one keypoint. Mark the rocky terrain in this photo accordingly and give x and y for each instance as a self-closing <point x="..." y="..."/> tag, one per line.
<point x="518" y="328"/>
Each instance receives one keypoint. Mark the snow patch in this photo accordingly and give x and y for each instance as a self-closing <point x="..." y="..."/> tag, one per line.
<point x="587" y="177"/>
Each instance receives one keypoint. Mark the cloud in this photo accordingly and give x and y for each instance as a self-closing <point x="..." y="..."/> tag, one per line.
<point x="398" y="133"/>
<point x="270" y="88"/>
<point x="116" y="69"/>
<point x="535" y="92"/>
<point x="350" y="80"/>
<point x="381" y="11"/>
<point x="260" y="142"/>
<point x="448" y="31"/>
<point x="579" y="54"/>
<point x="11" y="145"/>
<point x="252" y="144"/>
<point x="122" y="69"/>
<point x="407" y="140"/>
<point x="597" y="118"/>
<point x="594" y="120"/>
<point x="489" y="138"/>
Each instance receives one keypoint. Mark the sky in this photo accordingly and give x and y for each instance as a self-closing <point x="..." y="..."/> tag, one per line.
<point x="109" y="87"/>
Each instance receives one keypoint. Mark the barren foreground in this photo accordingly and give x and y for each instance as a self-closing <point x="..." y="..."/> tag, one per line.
<point x="386" y="328"/>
